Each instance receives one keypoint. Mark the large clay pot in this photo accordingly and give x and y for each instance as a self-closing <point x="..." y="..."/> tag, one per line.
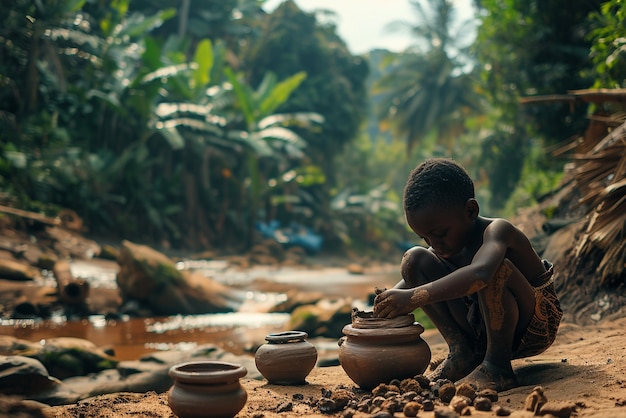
<point x="209" y="389"/>
<point x="287" y="358"/>
<point x="378" y="350"/>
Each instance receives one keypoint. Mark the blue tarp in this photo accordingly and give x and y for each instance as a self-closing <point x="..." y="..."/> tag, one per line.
<point x="293" y="235"/>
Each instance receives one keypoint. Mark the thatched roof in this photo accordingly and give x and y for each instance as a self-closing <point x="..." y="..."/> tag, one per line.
<point x="591" y="205"/>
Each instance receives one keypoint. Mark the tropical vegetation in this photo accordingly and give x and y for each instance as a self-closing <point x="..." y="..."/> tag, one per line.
<point x="187" y="123"/>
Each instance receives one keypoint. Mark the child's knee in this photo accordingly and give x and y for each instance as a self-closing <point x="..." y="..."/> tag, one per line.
<point x="419" y="263"/>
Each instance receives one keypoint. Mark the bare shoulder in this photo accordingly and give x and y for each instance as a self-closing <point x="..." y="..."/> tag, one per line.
<point x="501" y="229"/>
<point x="518" y="247"/>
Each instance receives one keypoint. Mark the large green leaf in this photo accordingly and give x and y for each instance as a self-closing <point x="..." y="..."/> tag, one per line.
<point x="280" y="93"/>
<point x="300" y="119"/>
<point x="244" y="96"/>
<point x="137" y="24"/>
<point x="204" y="58"/>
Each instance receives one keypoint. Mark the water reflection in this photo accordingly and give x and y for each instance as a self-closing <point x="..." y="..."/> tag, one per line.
<point x="237" y="332"/>
<point x="132" y="337"/>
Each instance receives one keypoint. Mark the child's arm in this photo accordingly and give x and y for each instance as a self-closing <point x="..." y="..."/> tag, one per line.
<point x="461" y="282"/>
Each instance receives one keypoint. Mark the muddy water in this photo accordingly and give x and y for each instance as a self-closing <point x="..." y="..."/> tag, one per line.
<point x="237" y="332"/>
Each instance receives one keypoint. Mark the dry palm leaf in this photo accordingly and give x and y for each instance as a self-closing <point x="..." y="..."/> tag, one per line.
<point x="607" y="230"/>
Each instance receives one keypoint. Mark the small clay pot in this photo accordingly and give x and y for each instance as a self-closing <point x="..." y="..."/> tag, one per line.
<point x="209" y="389"/>
<point x="378" y="350"/>
<point x="287" y="358"/>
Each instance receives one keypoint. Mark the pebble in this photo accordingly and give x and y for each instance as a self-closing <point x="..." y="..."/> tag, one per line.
<point x="445" y="413"/>
<point x="465" y="389"/>
<point x="459" y="403"/>
<point x="447" y="392"/>
<point x="411" y="409"/>
<point x="501" y="411"/>
<point x="284" y="407"/>
<point x="558" y="409"/>
<point x="535" y="400"/>
<point x="490" y="394"/>
<point x="482" y="403"/>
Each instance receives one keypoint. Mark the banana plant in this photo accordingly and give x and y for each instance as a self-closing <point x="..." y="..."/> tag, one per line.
<point x="268" y="136"/>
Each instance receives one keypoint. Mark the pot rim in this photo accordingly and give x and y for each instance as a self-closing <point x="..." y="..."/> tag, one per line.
<point x="207" y="372"/>
<point x="286" y="336"/>
<point x="414" y="329"/>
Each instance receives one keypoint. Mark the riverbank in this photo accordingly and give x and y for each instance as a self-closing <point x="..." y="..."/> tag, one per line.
<point x="584" y="368"/>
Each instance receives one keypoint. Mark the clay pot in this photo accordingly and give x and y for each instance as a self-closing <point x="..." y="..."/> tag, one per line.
<point x="378" y="350"/>
<point x="208" y="389"/>
<point x="287" y="358"/>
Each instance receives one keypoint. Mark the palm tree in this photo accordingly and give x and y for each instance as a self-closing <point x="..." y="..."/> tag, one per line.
<point x="428" y="92"/>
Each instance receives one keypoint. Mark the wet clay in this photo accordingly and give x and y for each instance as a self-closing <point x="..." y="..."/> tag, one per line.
<point x="375" y="350"/>
<point x="493" y="297"/>
<point x="420" y="297"/>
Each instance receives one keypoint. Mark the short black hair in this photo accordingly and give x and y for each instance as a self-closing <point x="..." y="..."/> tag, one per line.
<point x="438" y="182"/>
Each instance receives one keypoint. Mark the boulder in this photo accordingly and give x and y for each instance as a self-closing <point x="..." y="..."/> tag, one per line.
<point x="20" y="375"/>
<point x="152" y="278"/>
<point x="326" y="318"/>
<point x="62" y="357"/>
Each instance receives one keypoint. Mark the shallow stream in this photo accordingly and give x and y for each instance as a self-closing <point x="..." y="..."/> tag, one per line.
<point x="237" y="332"/>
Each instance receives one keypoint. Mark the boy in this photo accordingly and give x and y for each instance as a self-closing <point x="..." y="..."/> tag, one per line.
<point x="480" y="281"/>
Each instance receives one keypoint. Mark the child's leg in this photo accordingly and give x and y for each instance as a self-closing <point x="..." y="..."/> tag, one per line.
<point x="420" y="266"/>
<point x="507" y="306"/>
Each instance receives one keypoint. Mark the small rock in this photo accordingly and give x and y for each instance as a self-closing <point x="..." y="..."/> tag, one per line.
<point x="409" y="396"/>
<point x="342" y="397"/>
<point x="364" y="406"/>
<point x="428" y="405"/>
<point x="482" y="403"/>
<point x="490" y="394"/>
<point x="348" y="413"/>
<point x="391" y="394"/>
<point x="423" y="381"/>
<point x="535" y="400"/>
<point x="392" y="405"/>
<point x="467" y="390"/>
<point x="378" y="401"/>
<point x="327" y="406"/>
<point x="445" y="413"/>
<point x="381" y="389"/>
<point x="501" y="411"/>
<point x="411" y="409"/>
<point x="410" y="385"/>
<point x="558" y="409"/>
<point x="459" y="403"/>
<point x="447" y="392"/>
<point x="284" y="407"/>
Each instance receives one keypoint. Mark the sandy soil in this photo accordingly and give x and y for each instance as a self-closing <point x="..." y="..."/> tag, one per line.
<point x="585" y="367"/>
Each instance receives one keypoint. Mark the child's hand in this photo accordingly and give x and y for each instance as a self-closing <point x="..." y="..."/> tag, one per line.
<point x="394" y="302"/>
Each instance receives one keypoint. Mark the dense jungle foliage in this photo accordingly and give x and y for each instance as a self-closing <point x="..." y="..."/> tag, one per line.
<point x="186" y="123"/>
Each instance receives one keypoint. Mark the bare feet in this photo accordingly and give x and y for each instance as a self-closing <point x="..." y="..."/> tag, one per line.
<point x="454" y="367"/>
<point x="489" y="376"/>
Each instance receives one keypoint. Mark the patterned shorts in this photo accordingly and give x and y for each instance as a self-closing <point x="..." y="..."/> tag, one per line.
<point x="545" y="322"/>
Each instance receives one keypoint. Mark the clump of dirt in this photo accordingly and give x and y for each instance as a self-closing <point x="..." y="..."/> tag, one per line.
<point x="413" y="395"/>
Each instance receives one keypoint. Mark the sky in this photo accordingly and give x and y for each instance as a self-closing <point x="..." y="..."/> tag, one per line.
<point x="361" y="23"/>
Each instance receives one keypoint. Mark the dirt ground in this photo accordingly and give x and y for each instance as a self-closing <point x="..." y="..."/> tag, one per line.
<point x="585" y="367"/>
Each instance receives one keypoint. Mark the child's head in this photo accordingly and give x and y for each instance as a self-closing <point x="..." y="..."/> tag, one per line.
<point x="439" y="205"/>
<point x="439" y="182"/>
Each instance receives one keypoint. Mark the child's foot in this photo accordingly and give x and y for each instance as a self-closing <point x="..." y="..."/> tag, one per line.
<point x="489" y="376"/>
<point x="453" y="368"/>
